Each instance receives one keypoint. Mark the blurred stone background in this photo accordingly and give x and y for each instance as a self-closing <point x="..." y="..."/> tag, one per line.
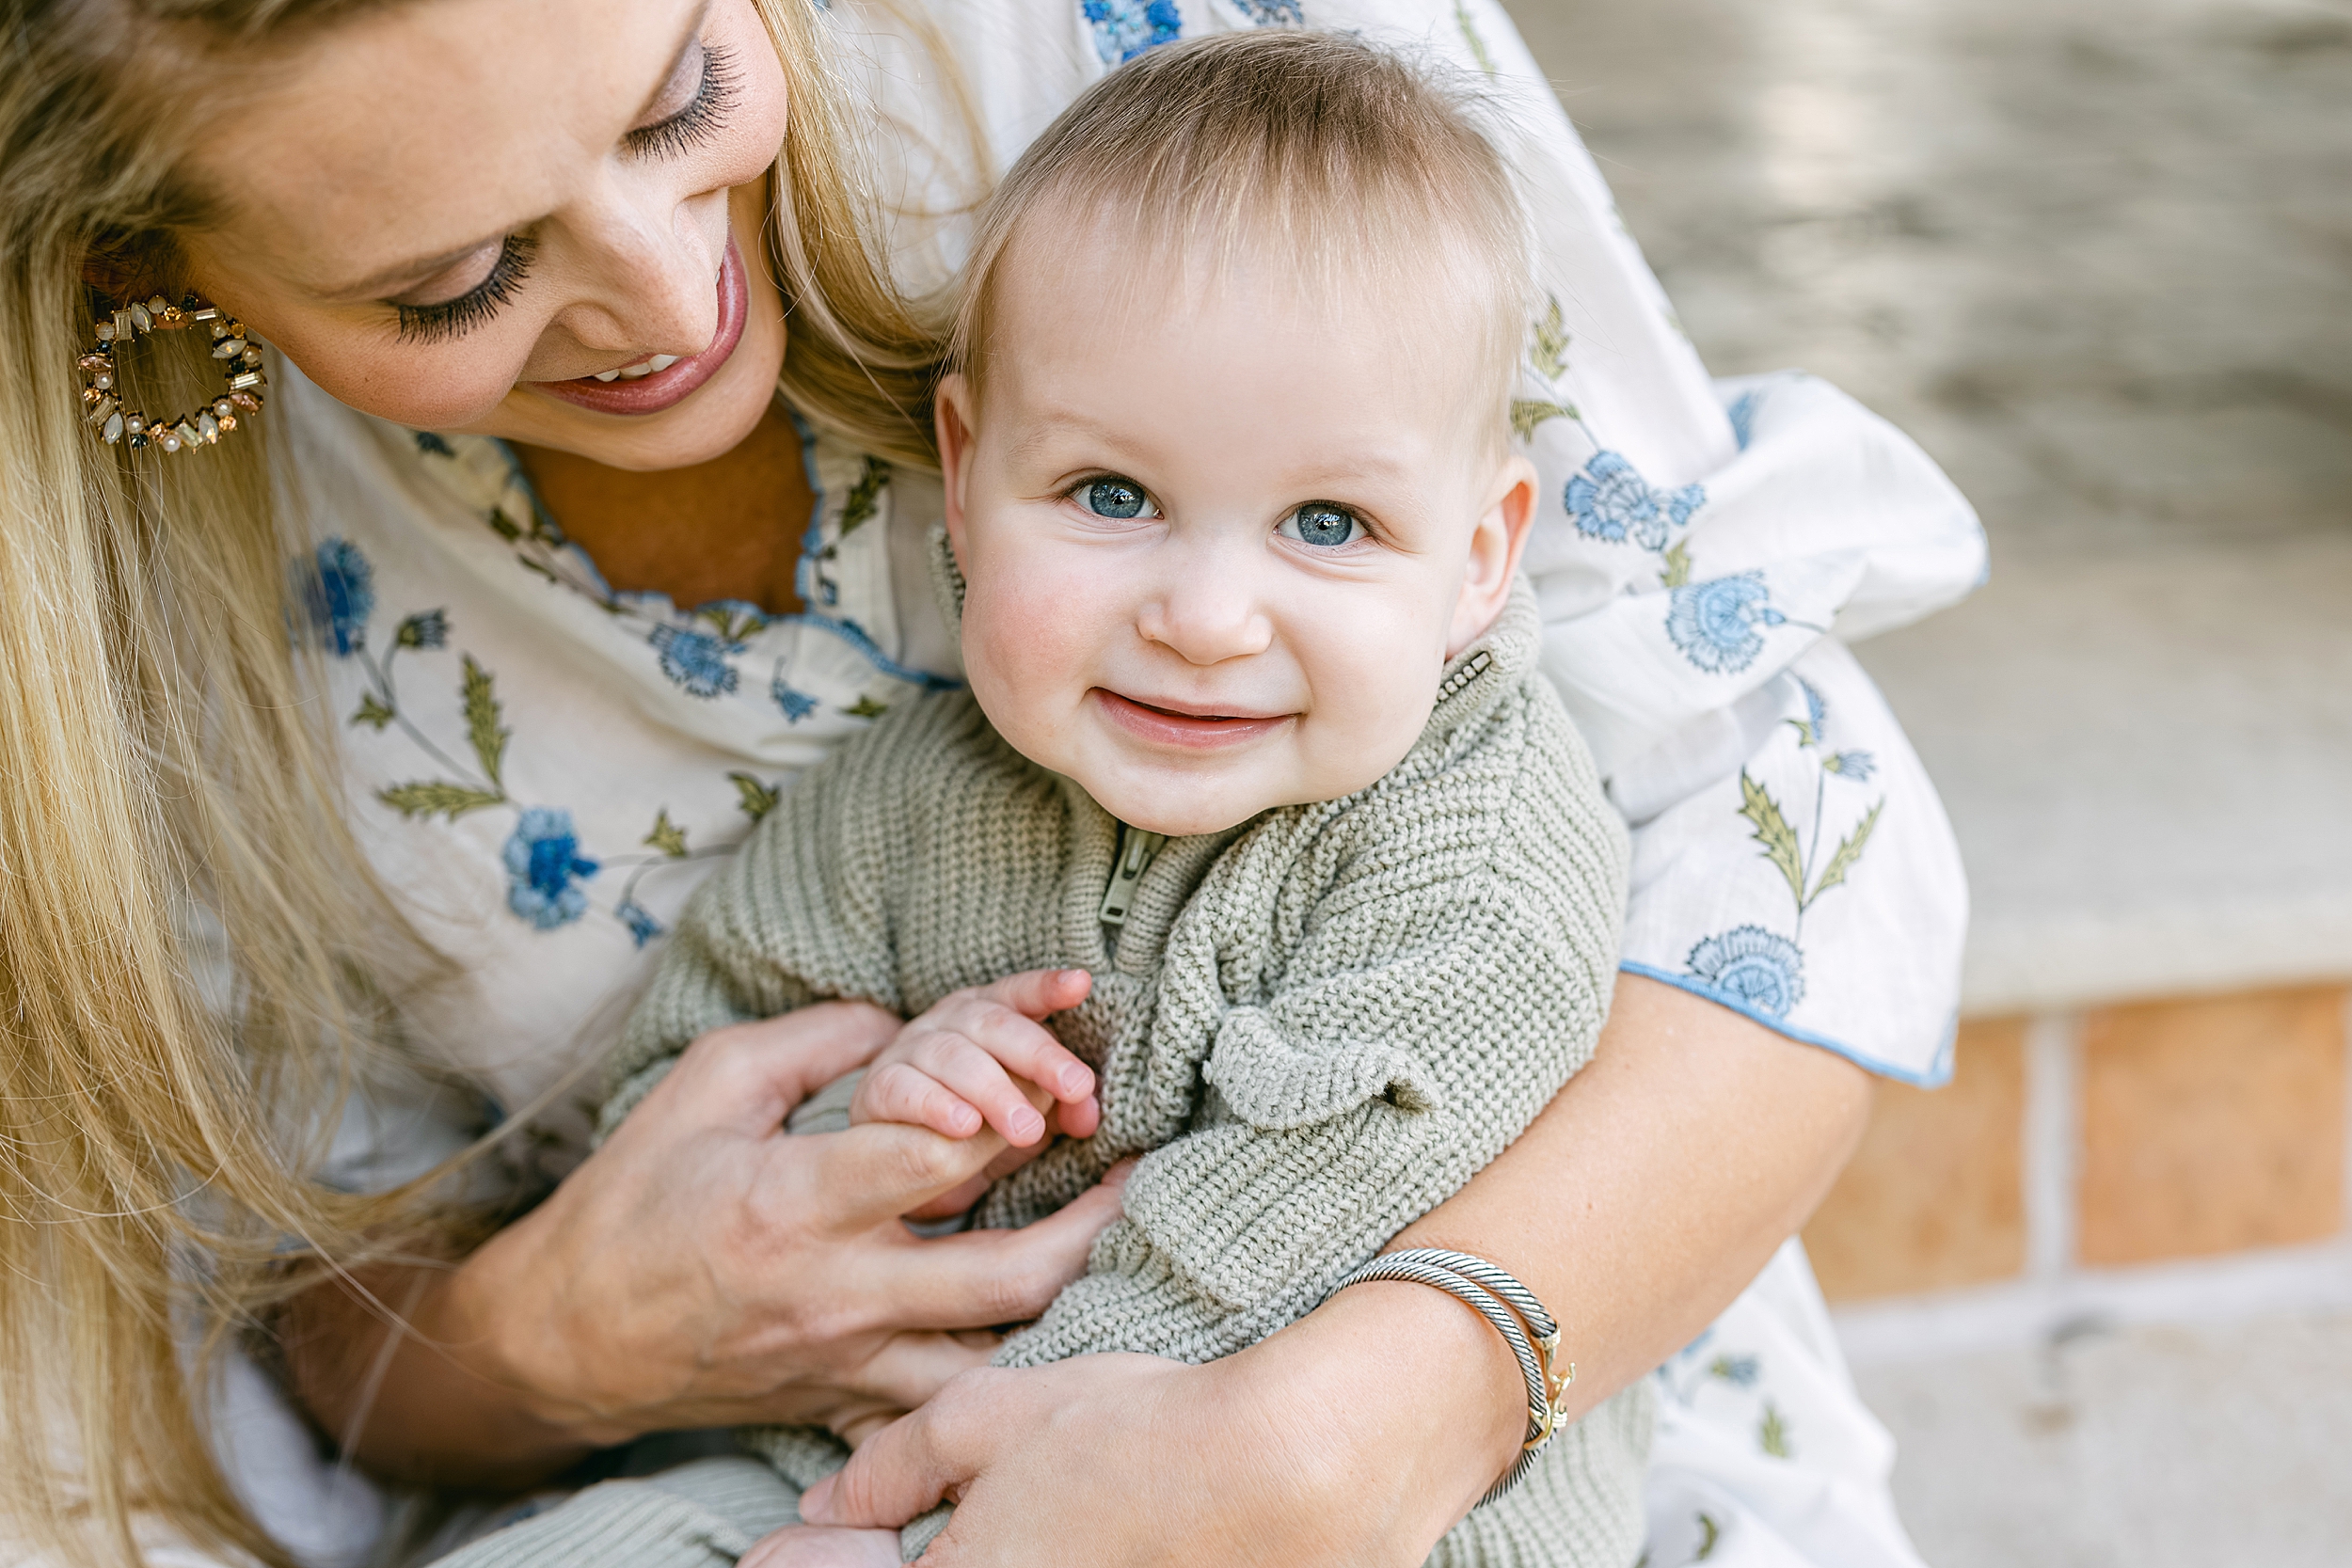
<point x="2096" y="255"/>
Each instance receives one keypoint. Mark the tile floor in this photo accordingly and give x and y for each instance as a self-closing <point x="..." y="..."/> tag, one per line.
<point x="2096" y="255"/>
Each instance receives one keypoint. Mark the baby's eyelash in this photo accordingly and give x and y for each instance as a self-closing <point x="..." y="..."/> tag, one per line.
<point x="454" y="318"/>
<point x="702" y="118"/>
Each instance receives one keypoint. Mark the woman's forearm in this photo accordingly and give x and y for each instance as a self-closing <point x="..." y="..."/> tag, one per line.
<point x="1660" y="1180"/>
<point x="424" y="1403"/>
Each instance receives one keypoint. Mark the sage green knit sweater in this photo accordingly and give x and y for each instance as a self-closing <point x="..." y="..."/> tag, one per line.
<point x="1313" y="1027"/>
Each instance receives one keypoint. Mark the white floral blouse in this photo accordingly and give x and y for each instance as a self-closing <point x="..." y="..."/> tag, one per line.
<point x="543" y="768"/>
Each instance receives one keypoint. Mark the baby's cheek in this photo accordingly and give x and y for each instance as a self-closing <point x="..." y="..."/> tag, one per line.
<point x="1027" y="648"/>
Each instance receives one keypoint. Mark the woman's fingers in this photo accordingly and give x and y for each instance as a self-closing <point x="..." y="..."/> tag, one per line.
<point x="984" y="1277"/>
<point x="911" y="1464"/>
<point x="750" y="1075"/>
<point x="913" y="1368"/>
<point x="879" y="1170"/>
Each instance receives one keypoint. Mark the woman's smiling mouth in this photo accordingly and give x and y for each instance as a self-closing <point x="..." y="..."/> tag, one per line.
<point x="1159" y="725"/>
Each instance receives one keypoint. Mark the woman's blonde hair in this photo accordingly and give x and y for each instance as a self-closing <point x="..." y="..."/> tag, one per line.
<point x="192" y="951"/>
<point x="1348" y="166"/>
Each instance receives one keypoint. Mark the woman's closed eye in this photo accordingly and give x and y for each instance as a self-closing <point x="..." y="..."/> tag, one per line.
<point x="693" y="108"/>
<point x="439" y="321"/>
<point x="1113" y="496"/>
<point x="1323" y="523"/>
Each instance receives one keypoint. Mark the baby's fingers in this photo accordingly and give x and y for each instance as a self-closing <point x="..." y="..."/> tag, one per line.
<point x="974" y="1073"/>
<point x="1025" y="1048"/>
<point x="900" y="1091"/>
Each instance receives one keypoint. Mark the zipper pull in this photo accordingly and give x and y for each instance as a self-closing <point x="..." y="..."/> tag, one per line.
<point x="1136" y="849"/>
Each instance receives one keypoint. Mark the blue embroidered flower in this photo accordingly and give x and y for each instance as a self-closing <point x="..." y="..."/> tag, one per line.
<point x="1126" y="28"/>
<point x="1266" y="13"/>
<point x="695" y="660"/>
<point x="1857" y="766"/>
<point x="797" y="704"/>
<point x="1741" y="1371"/>
<point x="543" y="860"/>
<point x="429" y="443"/>
<point x="1753" y="968"/>
<point x="1610" y="501"/>
<point x="340" y="592"/>
<point x="429" y="629"/>
<point x="1743" y="416"/>
<point x="639" y="919"/>
<point x="1714" y="623"/>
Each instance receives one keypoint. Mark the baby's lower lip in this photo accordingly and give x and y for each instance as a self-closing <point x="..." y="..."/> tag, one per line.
<point x="674" y="383"/>
<point x="1194" y="732"/>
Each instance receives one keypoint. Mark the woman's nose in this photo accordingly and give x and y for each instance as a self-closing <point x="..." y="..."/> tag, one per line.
<point x="657" y="277"/>
<point x="1207" y="611"/>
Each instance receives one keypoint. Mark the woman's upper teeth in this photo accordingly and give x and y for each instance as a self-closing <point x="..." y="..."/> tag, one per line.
<point x="644" y="367"/>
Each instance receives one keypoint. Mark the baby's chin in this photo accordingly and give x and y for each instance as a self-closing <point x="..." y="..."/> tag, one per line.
<point x="1186" y="805"/>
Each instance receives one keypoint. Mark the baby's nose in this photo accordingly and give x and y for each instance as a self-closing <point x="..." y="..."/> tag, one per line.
<point x="1207" y="615"/>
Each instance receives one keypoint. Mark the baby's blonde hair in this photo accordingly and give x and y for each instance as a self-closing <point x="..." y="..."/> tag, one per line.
<point x="1346" y="163"/>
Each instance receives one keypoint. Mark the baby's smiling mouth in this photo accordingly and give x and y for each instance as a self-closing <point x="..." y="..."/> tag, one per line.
<point x="1168" y="723"/>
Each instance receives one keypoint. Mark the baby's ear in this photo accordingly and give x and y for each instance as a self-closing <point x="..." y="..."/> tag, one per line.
<point x="951" y="421"/>
<point x="1495" y="546"/>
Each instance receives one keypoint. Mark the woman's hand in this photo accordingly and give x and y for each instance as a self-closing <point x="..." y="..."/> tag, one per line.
<point x="1637" y="1207"/>
<point x="701" y="1269"/>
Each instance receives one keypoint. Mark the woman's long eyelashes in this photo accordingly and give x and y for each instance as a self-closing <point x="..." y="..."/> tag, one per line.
<point x="704" y="116"/>
<point x="454" y="318"/>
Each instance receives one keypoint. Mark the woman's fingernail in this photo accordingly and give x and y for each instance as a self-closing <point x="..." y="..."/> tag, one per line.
<point x="1026" y="1125"/>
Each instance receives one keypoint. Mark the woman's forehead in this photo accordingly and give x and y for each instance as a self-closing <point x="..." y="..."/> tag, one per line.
<point x="422" y="130"/>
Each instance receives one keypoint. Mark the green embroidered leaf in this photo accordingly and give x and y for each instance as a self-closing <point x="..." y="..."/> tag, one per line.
<point x="1470" y="35"/>
<point x="864" y="497"/>
<point x="1772" y="1434"/>
<point x="1805" y="731"/>
<point x="373" y="713"/>
<point x="1849" y="851"/>
<point x="482" y="721"/>
<point x="756" y="799"/>
<point x="1710" y="1533"/>
<point x="1551" y="353"/>
<point x="730" y="626"/>
<point x="667" y="836"/>
<point x="436" y="798"/>
<point x="543" y="569"/>
<point x="866" y="707"/>
<point x="1774" y="833"/>
<point x="1527" y="413"/>
<point x="1678" y="570"/>
<point x="504" y="527"/>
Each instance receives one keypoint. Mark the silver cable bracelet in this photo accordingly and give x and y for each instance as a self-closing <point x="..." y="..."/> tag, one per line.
<point x="1486" y="1290"/>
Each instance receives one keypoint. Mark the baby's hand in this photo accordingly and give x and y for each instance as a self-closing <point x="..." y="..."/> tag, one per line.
<point x="971" y="1061"/>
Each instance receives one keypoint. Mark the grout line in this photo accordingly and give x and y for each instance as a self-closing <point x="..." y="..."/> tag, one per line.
<point x="2052" y="1143"/>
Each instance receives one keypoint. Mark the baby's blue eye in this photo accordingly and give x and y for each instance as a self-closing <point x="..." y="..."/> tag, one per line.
<point x="1114" y="497"/>
<point x="1323" y="524"/>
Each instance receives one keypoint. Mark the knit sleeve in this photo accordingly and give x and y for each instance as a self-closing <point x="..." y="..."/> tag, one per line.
<point x="801" y="914"/>
<point x="1444" y="968"/>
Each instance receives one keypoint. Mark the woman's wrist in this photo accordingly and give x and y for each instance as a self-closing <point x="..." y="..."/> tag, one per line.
<point x="1397" y="1398"/>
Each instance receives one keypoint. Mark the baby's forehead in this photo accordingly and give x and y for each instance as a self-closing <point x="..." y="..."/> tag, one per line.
<point x="1423" y="303"/>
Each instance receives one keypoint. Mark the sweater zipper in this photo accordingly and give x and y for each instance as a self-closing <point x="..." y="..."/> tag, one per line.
<point x="1136" y="849"/>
